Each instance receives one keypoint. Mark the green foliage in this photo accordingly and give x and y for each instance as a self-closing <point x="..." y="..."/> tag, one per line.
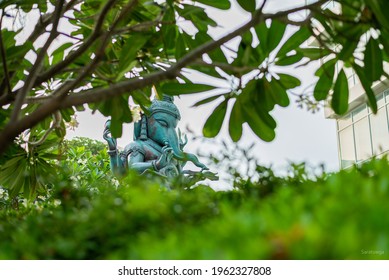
<point x="116" y="51"/>
<point x="30" y="169"/>
<point x="89" y="215"/>
<point x="340" y="95"/>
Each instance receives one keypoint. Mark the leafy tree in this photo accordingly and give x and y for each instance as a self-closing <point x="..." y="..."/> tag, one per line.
<point x="101" y="53"/>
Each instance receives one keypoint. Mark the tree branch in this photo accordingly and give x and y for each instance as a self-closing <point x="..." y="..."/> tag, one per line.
<point x="100" y="94"/>
<point x="4" y="59"/>
<point x="37" y="64"/>
<point x="84" y="47"/>
<point x="45" y="20"/>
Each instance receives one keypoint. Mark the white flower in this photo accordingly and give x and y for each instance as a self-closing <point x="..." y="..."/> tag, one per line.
<point x="24" y="202"/>
<point x="57" y="202"/>
<point x="38" y="206"/>
<point x="115" y="182"/>
<point x="81" y="161"/>
<point x="136" y="113"/>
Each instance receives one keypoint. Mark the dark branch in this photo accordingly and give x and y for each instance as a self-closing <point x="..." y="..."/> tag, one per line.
<point x="37" y="64"/>
<point x="97" y="32"/>
<point x="4" y="59"/>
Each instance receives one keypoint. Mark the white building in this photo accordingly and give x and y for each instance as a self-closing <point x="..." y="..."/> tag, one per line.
<point x="360" y="133"/>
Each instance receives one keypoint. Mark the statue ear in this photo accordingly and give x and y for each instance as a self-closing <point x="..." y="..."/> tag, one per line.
<point x="140" y="129"/>
<point x="143" y="128"/>
<point x="137" y="130"/>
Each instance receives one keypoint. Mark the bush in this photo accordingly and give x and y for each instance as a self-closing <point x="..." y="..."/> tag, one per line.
<point x="336" y="216"/>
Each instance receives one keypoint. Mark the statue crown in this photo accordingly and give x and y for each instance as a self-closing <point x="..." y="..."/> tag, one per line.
<point x="165" y="105"/>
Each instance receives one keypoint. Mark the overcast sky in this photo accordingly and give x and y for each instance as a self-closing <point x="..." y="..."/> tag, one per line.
<point x="300" y="135"/>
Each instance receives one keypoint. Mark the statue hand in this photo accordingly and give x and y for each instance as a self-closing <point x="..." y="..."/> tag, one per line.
<point x="181" y="141"/>
<point x="107" y="136"/>
<point x="165" y="158"/>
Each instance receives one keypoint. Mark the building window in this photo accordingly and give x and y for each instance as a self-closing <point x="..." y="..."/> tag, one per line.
<point x="362" y="139"/>
<point x="347" y="149"/>
<point x="379" y="131"/>
<point x="362" y="134"/>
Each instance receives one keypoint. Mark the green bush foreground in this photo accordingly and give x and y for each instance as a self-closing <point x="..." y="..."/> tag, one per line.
<point x="342" y="216"/>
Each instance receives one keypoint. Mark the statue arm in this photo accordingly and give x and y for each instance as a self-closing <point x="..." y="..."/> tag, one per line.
<point x="116" y="163"/>
<point x="136" y="162"/>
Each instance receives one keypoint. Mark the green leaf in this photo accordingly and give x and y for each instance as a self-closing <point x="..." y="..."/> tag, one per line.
<point x="187" y="88"/>
<point x="278" y="93"/>
<point x="384" y="40"/>
<point x="296" y="40"/>
<point x="214" y="123"/>
<point x="207" y="100"/>
<point x="289" y="60"/>
<point x="201" y="38"/>
<point x="129" y="51"/>
<point x="288" y="81"/>
<point x="373" y="60"/>
<point x="326" y="77"/>
<point x="258" y="125"/>
<point x="348" y="49"/>
<point x="59" y="53"/>
<point x="220" y="4"/>
<point x="313" y="53"/>
<point x="380" y="8"/>
<point x="180" y="47"/>
<point x="248" y="5"/>
<point x="276" y="30"/>
<point x="119" y="111"/>
<point x="236" y="120"/>
<point x="197" y="15"/>
<point x="339" y="100"/>
<point x="367" y="86"/>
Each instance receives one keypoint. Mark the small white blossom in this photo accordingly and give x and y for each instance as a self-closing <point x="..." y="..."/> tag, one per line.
<point x="136" y="113"/>
<point x="38" y="206"/>
<point x="57" y="202"/>
<point x="81" y="161"/>
<point x="24" y="202"/>
<point x="115" y="182"/>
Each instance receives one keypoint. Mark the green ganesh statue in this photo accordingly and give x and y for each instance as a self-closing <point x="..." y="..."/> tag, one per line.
<point x="157" y="146"/>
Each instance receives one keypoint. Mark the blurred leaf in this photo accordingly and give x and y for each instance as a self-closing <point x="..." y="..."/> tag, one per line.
<point x="214" y="122"/>
<point x="373" y="60"/>
<point x="278" y="92"/>
<point x="207" y="100"/>
<point x="236" y="121"/>
<point x="326" y="76"/>
<point x="367" y="86"/>
<point x="288" y="81"/>
<point x="187" y="88"/>
<point x="339" y="100"/>
<point x="379" y="8"/>
<point x="276" y="32"/>
<point x="289" y="60"/>
<point x="314" y="53"/>
<point x="248" y="5"/>
<point x="220" y="4"/>
<point x="294" y="41"/>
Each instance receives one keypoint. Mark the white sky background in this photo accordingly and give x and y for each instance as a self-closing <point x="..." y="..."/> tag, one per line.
<point x="300" y="135"/>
